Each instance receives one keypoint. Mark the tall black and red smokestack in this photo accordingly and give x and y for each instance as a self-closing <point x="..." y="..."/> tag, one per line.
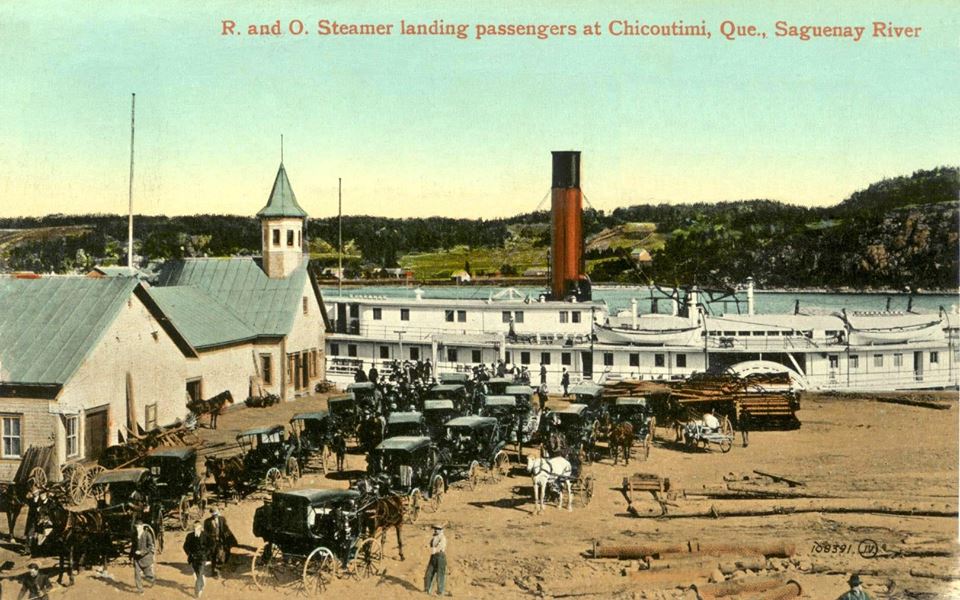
<point x="567" y="275"/>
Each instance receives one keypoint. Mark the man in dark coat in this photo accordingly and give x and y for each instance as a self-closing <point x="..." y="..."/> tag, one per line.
<point x="543" y="374"/>
<point x="143" y="555"/>
<point x="197" y="547"/>
<point x="374" y="375"/>
<point x="359" y="375"/>
<point x="34" y="584"/>
<point x="565" y="382"/>
<point x="221" y="540"/>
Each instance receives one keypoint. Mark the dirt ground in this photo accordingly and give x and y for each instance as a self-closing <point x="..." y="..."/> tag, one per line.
<point x="498" y="548"/>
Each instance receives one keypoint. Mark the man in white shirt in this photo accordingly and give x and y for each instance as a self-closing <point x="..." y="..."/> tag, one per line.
<point x="437" y="567"/>
<point x="710" y="420"/>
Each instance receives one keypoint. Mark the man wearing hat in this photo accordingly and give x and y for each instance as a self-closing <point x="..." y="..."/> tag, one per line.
<point x="221" y="540"/>
<point x="34" y="584"/>
<point x="856" y="592"/>
<point x="437" y="567"/>
<point x="143" y="555"/>
<point x="197" y="548"/>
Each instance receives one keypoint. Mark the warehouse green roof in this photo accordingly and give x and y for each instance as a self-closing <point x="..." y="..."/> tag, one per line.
<point x="205" y="322"/>
<point x="49" y="325"/>
<point x="282" y="202"/>
<point x="266" y="306"/>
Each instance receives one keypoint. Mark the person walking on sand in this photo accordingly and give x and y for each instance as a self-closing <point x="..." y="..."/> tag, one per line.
<point x="143" y="555"/>
<point x="222" y="540"/>
<point x="197" y="548"/>
<point x="437" y="567"/>
<point x="856" y="592"/>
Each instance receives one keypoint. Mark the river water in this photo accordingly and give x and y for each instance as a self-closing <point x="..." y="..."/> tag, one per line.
<point x="618" y="298"/>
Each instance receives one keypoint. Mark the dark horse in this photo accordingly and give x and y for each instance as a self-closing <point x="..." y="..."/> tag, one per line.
<point x="382" y="514"/>
<point x="211" y="406"/>
<point x="227" y="472"/>
<point x="75" y="535"/>
<point x="621" y="440"/>
<point x="12" y="502"/>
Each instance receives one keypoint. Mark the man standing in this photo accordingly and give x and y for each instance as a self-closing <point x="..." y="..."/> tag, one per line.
<point x="565" y="382"/>
<point x="437" y="567"/>
<point x="856" y="592"/>
<point x="221" y="540"/>
<point x="197" y="548"/>
<point x="340" y="449"/>
<point x="34" y="584"/>
<point x="374" y="375"/>
<point x="543" y="374"/>
<point x="144" y="552"/>
<point x="359" y="376"/>
<point x="542" y="394"/>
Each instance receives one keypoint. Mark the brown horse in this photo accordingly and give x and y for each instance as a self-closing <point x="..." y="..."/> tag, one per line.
<point x="75" y="535"/>
<point x="621" y="439"/>
<point x="227" y="472"/>
<point x="384" y="513"/>
<point x="211" y="406"/>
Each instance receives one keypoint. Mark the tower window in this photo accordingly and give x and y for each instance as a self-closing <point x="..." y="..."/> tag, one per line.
<point x="289" y="237"/>
<point x="276" y="237"/>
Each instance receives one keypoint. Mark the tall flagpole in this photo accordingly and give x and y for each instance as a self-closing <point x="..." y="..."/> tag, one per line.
<point x="133" y="107"/>
<point x="340" y="234"/>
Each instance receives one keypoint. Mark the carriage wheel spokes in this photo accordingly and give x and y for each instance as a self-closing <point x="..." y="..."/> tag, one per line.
<point x="273" y="477"/>
<point x="38" y="478"/>
<point x="366" y="561"/>
<point x="726" y="443"/>
<point x="318" y="571"/>
<point x="413" y="505"/>
<point x="501" y="466"/>
<point x="473" y="475"/>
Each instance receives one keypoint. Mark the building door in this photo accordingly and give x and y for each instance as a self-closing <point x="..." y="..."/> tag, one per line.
<point x="341" y="317"/>
<point x="305" y="369"/>
<point x="95" y="433"/>
<point x="586" y="361"/>
<point x="195" y="389"/>
<point x="918" y="366"/>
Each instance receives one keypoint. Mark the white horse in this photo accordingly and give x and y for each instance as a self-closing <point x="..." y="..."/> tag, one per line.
<point x="548" y="470"/>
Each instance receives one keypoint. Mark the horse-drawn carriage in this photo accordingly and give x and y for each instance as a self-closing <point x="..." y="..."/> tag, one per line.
<point x="409" y="467"/>
<point x="631" y="416"/>
<point x="497" y="386"/>
<point x="313" y="431"/>
<point x="436" y="413"/>
<point x="591" y="395"/>
<point x="312" y="536"/>
<point x="346" y="415"/>
<point x="473" y="450"/>
<point x="175" y="484"/>
<point x="125" y="496"/>
<point x="577" y="427"/>
<point x="698" y="433"/>
<point x="455" y="392"/>
<point x="504" y="410"/>
<point x="367" y="396"/>
<point x="405" y="423"/>
<point x="268" y="455"/>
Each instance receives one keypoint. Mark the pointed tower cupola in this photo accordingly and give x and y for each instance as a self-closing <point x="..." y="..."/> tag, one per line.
<point x="282" y="221"/>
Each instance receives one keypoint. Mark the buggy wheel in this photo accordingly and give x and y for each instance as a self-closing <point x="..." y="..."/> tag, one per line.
<point x="78" y="483"/>
<point x="413" y="505"/>
<point x="501" y="466"/>
<point x="184" y="514"/>
<point x="366" y="559"/>
<point x="726" y="444"/>
<point x="38" y="477"/>
<point x="473" y="475"/>
<point x="261" y="563"/>
<point x="436" y="494"/>
<point x="318" y="571"/>
<point x="293" y="468"/>
<point x="273" y="477"/>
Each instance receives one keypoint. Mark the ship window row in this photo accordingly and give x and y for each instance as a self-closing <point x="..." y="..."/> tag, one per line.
<point x="853" y="361"/>
<point x="404" y="314"/>
<point x="545" y="358"/>
<point x="769" y="333"/>
<point x="659" y="359"/>
<point x="516" y="316"/>
<point x="459" y="315"/>
<point x="570" y="316"/>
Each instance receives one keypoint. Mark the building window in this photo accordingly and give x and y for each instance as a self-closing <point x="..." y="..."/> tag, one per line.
<point x="414" y="353"/>
<point x="266" y="365"/>
<point x="575" y="316"/>
<point x="565" y="358"/>
<point x="508" y="357"/>
<point x="475" y="356"/>
<point x="854" y="361"/>
<point x="71" y="427"/>
<point x="506" y="316"/>
<point x="658" y="360"/>
<point x="11" y="436"/>
<point x="544" y="358"/>
<point x="934" y="358"/>
<point x="524" y="358"/>
<point x="878" y="360"/>
<point x="564" y="316"/>
<point x="448" y="315"/>
<point x="898" y="360"/>
<point x="834" y="361"/>
<point x="377" y="314"/>
<point x="608" y="359"/>
<point x="634" y="359"/>
<point x="335" y="349"/>
<point x="290" y="237"/>
<point x="352" y="350"/>
<point x="518" y="316"/>
<point x="404" y="314"/>
<point x="384" y="351"/>
<point x="354" y="311"/>
<point x="682" y="361"/>
<point x="451" y="355"/>
<point x="276" y="237"/>
<point x="306" y="305"/>
<point x="461" y="316"/>
<point x="150" y="416"/>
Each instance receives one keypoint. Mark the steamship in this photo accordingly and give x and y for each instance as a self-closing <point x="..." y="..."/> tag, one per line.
<point x="566" y="329"/>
